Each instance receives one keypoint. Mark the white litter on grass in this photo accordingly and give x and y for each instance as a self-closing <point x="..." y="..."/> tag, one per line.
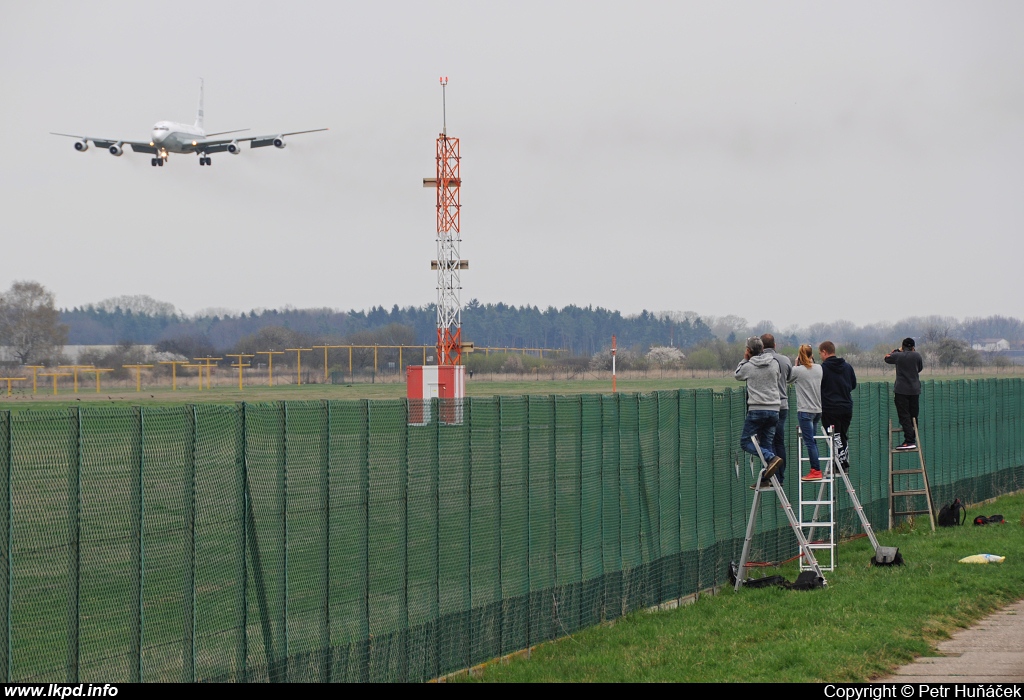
<point x="983" y="559"/>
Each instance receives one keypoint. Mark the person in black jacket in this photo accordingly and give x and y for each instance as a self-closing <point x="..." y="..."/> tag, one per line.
<point x="838" y="380"/>
<point x="908" y="388"/>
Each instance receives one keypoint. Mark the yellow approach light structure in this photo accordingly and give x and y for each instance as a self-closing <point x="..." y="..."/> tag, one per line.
<point x="240" y="365"/>
<point x="12" y="379"/>
<point x="209" y="370"/>
<point x="55" y="375"/>
<point x="138" y="374"/>
<point x="35" y="370"/>
<point x="326" y="347"/>
<point x="174" y="370"/>
<point x="270" y="363"/>
<point x="298" y="356"/>
<point x="98" y="371"/>
<point x="75" y="369"/>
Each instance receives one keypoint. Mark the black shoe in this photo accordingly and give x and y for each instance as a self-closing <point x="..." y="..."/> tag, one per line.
<point x="908" y="446"/>
<point x="773" y="466"/>
<point x="764" y="484"/>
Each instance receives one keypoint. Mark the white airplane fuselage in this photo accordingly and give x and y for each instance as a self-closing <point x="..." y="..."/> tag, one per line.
<point x="174" y="137"/>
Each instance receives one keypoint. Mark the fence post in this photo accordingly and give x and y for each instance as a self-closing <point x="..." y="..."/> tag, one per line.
<point x="189" y="656"/>
<point x="284" y="523"/>
<point x="74" y="508"/>
<point x="137" y="526"/>
<point x="8" y="541"/>
<point x="242" y="464"/>
<point x="325" y="507"/>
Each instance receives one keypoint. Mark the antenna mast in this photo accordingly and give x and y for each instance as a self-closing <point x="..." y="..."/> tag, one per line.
<point x="449" y="262"/>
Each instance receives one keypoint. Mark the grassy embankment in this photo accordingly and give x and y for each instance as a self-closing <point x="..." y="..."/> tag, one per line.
<point x="866" y="623"/>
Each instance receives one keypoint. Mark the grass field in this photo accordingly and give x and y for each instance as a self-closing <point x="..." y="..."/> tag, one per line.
<point x="866" y="623"/>
<point x="225" y="388"/>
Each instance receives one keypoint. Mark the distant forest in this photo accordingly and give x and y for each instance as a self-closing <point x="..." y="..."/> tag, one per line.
<point x="581" y="330"/>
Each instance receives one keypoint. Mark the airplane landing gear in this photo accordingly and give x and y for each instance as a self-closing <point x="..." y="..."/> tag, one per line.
<point x="152" y="161"/>
<point x="205" y="160"/>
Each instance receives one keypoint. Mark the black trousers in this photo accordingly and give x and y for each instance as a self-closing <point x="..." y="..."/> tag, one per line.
<point x="906" y="408"/>
<point x="840" y="424"/>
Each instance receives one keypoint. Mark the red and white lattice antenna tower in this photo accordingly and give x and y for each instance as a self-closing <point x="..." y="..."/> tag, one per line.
<point x="449" y="261"/>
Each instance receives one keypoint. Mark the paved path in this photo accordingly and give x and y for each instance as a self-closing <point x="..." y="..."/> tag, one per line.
<point x="991" y="651"/>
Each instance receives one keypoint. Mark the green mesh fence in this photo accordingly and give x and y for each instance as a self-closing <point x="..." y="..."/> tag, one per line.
<point x="334" y="541"/>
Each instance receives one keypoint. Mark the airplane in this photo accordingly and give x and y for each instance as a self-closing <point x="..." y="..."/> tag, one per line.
<point x="173" y="137"/>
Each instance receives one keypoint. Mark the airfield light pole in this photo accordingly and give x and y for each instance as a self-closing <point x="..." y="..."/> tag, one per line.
<point x="240" y="365"/>
<point x="55" y="375"/>
<point x="75" y="369"/>
<point x="174" y="370"/>
<point x="298" y="356"/>
<point x="35" y="370"/>
<point x="446" y="183"/>
<point x="138" y="374"/>
<point x="326" y="348"/>
<point x="99" y="372"/>
<point x="270" y="363"/>
<point x="11" y="379"/>
<point x="209" y="370"/>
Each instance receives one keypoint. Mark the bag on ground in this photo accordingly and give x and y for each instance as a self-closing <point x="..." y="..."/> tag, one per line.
<point x="954" y="513"/>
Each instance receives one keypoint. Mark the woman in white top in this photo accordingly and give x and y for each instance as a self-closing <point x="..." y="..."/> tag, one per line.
<point x="806" y="376"/>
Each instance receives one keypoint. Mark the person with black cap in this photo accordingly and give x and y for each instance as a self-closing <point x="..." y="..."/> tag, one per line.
<point x="908" y="388"/>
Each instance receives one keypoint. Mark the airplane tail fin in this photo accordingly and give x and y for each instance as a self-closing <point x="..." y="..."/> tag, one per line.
<point x="199" y="112"/>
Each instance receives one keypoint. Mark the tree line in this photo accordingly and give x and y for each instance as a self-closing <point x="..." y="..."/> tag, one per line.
<point x="33" y="330"/>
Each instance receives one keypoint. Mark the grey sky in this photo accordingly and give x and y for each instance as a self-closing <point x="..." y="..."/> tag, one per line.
<point x="792" y="161"/>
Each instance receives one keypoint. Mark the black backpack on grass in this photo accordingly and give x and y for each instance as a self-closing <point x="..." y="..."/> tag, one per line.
<point x="954" y="513"/>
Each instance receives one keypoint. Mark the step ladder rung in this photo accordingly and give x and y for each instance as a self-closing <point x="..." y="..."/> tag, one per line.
<point x="922" y="470"/>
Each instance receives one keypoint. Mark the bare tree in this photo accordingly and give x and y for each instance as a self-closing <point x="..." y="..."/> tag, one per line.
<point x="138" y="304"/>
<point x="30" y="324"/>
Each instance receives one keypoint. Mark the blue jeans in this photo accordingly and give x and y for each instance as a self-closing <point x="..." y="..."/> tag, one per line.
<point x="809" y="428"/>
<point x="779" y="444"/>
<point x="762" y="424"/>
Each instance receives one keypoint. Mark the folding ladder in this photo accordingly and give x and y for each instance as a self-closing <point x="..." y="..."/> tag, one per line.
<point x="832" y="469"/>
<point x="805" y="549"/>
<point x="905" y="477"/>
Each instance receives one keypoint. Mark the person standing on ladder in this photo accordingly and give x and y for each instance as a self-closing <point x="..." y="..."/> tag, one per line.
<point x="785" y="372"/>
<point x="908" y="388"/>
<point x="806" y="377"/>
<point x="838" y="380"/>
<point x="761" y="373"/>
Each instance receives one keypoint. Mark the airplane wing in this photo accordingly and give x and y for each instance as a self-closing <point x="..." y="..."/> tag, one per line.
<point x="137" y="146"/>
<point x="216" y="145"/>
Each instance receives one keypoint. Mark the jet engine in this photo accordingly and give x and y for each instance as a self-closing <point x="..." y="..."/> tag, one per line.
<point x="233" y="148"/>
<point x="279" y="142"/>
<point x="116" y="150"/>
<point x="81" y="146"/>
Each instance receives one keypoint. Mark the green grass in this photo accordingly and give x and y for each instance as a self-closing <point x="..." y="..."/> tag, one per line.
<point x="866" y="623"/>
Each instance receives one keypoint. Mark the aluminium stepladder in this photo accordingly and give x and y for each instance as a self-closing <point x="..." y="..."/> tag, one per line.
<point x="906" y="476"/>
<point x="832" y="469"/>
<point x="805" y="549"/>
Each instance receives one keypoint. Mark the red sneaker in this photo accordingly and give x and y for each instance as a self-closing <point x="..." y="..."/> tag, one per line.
<point x="813" y="475"/>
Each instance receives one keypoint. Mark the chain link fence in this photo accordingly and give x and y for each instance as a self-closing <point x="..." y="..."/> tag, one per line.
<point x="333" y="541"/>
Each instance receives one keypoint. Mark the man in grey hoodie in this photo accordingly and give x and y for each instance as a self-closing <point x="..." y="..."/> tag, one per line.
<point x="761" y="373"/>
<point x="785" y="370"/>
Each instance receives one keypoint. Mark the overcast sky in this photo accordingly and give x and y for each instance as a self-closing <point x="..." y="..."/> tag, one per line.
<point x="792" y="161"/>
